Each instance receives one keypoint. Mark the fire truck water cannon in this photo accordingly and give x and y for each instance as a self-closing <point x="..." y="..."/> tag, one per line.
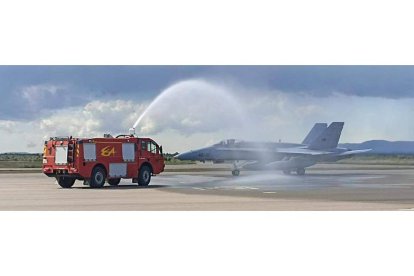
<point x="99" y="160"/>
<point x="132" y="131"/>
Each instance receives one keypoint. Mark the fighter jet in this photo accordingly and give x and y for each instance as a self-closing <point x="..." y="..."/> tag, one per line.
<point x="321" y="144"/>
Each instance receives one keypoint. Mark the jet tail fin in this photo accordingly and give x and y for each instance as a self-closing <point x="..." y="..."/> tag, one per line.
<point x="314" y="133"/>
<point x="329" y="138"/>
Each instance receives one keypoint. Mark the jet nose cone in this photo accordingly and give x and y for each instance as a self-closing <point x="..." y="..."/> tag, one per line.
<point x="182" y="156"/>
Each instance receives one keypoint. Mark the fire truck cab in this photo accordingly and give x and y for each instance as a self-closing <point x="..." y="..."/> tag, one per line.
<point x="96" y="160"/>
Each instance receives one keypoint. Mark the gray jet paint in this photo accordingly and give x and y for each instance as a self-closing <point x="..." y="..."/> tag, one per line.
<point x="321" y="144"/>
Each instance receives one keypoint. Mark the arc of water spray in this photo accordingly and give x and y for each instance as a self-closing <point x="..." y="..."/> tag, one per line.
<point x="168" y="90"/>
<point x="132" y="130"/>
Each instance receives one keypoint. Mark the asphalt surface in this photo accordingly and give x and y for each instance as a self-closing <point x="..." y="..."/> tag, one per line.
<point x="327" y="187"/>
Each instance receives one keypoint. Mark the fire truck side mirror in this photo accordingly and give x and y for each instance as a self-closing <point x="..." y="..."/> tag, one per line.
<point x="161" y="150"/>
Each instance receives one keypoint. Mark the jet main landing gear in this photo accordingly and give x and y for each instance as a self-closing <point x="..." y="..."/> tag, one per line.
<point x="300" y="171"/>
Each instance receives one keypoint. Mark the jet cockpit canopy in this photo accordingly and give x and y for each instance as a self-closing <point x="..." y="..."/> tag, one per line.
<point x="228" y="142"/>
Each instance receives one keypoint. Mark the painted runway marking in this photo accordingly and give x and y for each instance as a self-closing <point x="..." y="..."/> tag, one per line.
<point x="407" y="209"/>
<point x="196" y="188"/>
<point x="245" y="188"/>
<point x="213" y="188"/>
<point x="269" y="192"/>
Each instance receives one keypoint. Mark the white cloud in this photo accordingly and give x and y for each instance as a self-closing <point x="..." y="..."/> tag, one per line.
<point x="33" y="91"/>
<point x="36" y="94"/>
<point x="193" y="106"/>
<point x="39" y="100"/>
<point x="365" y="117"/>
<point x="6" y="125"/>
<point x="93" y="119"/>
<point x="32" y="145"/>
<point x="196" y="113"/>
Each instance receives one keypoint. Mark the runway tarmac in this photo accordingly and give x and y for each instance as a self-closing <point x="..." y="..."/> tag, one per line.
<point x="325" y="187"/>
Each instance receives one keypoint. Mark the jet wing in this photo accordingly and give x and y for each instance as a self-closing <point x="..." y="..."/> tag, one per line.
<point x="244" y="149"/>
<point x="302" y="151"/>
<point x="354" y="152"/>
<point x="284" y="151"/>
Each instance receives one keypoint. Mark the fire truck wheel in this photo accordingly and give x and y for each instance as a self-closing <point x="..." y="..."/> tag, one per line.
<point x="98" y="177"/>
<point x="114" y="181"/>
<point x="65" y="182"/>
<point x="144" y="176"/>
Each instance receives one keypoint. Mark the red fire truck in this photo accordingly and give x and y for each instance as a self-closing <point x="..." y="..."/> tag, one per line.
<point x="97" y="160"/>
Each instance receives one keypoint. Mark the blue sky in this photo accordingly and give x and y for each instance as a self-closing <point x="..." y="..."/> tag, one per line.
<point x="277" y="101"/>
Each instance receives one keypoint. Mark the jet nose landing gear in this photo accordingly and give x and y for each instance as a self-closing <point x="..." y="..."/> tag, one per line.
<point x="287" y="172"/>
<point x="236" y="169"/>
<point x="235" y="172"/>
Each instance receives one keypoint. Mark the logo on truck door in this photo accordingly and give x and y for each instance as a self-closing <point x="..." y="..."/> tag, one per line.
<point x="108" y="151"/>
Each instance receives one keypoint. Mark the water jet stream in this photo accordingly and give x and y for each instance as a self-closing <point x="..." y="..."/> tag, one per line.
<point x="193" y="106"/>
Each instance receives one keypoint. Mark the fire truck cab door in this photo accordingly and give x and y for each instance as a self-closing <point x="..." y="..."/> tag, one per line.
<point x="144" y="152"/>
<point x="150" y="151"/>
